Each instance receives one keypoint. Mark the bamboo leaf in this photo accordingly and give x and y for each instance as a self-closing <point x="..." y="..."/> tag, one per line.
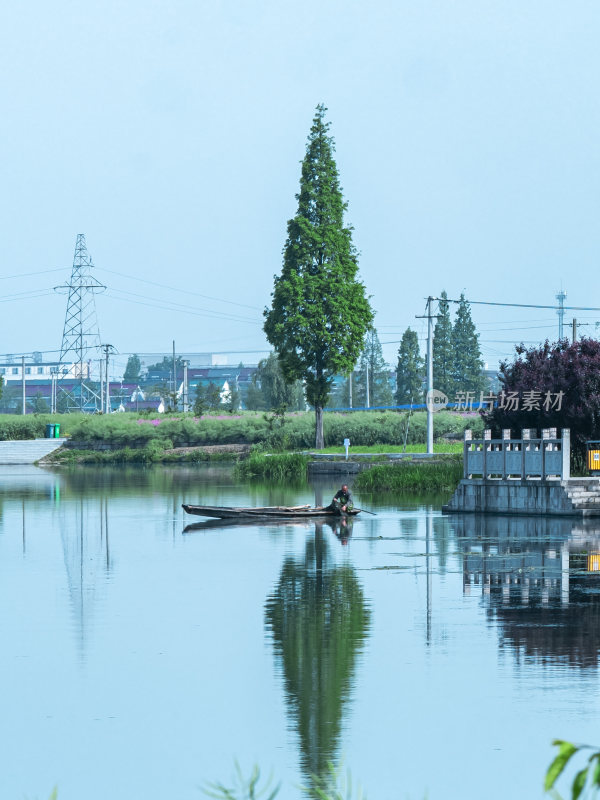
<point x="579" y="783"/>
<point x="596" y="772"/>
<point x="566" y="751"/>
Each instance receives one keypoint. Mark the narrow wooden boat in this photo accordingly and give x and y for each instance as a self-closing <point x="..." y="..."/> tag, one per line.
<point x="266" y="512"/>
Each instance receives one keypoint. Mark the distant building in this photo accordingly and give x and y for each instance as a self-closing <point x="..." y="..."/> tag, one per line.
<point x="41" y="370"/>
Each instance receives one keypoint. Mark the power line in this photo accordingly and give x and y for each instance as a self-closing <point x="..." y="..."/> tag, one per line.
<point x="179" y="308"/>
<point x="28" y="274"/>
<point x="176" y="289"/>
<point x="521" y="305"/>
<point x="30" y="295"/>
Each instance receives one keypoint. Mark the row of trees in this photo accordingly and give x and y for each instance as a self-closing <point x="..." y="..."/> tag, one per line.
<point x="457" y="363"/>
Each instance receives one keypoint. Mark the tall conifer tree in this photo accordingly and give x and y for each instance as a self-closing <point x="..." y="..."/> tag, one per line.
<point x="133" y="369"/>
<point x="319" y="313"/>
<point x="443" y="354"/>
<point x="372" y="363"/>
<point x="409" y="372"/>
<point x="468" y="365"/>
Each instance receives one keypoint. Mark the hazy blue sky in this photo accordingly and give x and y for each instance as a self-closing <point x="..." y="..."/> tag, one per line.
<point x="170" y="133"/>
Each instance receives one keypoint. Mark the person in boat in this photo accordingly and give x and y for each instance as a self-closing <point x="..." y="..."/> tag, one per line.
<point x="342" y="500"/>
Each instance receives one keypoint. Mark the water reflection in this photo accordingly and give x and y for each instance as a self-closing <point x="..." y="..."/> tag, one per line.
<point x="540" y="580"/>
<point x="342" y="528"/>
<point x="318" y="619"/>
<point x="85" y="540"/>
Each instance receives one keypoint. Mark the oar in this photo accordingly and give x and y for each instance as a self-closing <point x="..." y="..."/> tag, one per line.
<point x="364" y="510"/>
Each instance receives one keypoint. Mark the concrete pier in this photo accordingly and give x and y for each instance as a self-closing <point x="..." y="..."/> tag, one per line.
<point x="572" y="497"/>
<point x="528" y="475"/>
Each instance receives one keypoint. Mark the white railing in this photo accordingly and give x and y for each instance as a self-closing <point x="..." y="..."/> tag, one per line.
<point x="524" y="458"/>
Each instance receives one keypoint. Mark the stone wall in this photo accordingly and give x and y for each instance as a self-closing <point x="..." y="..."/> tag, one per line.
<point x="512" y="497"/>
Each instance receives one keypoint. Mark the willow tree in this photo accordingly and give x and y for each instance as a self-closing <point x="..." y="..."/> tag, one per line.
<point x="319" y="313"/>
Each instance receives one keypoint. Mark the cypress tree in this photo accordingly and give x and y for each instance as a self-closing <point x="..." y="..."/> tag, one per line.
<point x="409" y="372"/>
<point x="319" y="313"/>
<point x="468" y="366"/>
<point x="133" y="369"/>
<point x="373" y="363"/>
<point x="443" y="353"/>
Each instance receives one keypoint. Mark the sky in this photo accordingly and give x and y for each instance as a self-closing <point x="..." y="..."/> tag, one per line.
<point x="171" y="135"/>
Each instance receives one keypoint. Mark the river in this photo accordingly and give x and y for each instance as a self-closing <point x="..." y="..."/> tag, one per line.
<point x="432" y="656"/>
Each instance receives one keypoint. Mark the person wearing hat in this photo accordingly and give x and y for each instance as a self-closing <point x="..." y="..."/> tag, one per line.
<point x="342" y="500"/>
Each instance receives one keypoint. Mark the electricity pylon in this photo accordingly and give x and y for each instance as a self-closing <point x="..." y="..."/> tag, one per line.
<point x="80" y="335"/>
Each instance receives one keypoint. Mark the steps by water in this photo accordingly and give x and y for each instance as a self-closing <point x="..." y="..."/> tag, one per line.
<point x="27" y="451"/>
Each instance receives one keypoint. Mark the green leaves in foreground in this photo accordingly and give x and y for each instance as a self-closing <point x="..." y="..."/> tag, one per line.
<point x="588" y="777"/>
<point x="333" y="786"/>
<point x="246" y="788"/>
<point x="330" y="786"/>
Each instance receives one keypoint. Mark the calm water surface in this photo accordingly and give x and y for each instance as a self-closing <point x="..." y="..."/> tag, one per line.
<point x="435" y="656"/>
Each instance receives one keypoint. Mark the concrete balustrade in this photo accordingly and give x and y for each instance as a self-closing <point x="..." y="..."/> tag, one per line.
<point x="544" y="458"/>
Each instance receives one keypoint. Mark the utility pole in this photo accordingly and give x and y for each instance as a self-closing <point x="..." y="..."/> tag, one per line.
<point x="53" y="390"/>
<point x="429" y="317"/>
<point x="108" y="349"/>
<point x="561" y="297"/>
<point x="174" y="378"/>
<point x="23" y="382"/>
<point x="185" y="386"/>
<point x="574" y="337"/>
<point x="368" y="398"/>
<point x="429" y="374"/>
<point x="350" y="388"/>
<point x="101" y="385"/>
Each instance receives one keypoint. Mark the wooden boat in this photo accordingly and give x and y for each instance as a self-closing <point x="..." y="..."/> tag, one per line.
<point x="266" y="512"/>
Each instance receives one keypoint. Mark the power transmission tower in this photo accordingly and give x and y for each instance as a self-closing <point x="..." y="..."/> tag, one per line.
<point x="80" y="334"/>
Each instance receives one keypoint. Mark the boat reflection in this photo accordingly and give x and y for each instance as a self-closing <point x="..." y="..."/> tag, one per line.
<point x="318" y="619"/>
<point x="341" y="526"/>
<point x="540" y="580"/>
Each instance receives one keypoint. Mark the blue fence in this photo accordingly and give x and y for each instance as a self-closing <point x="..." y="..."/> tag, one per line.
<point x="415" y="407"/>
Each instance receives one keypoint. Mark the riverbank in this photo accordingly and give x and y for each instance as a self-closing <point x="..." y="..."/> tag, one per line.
<point x="293" y="431"/>
<point x="152" y="453"/>
<point x="258" y="445"/>
<point x="375" y="472"/>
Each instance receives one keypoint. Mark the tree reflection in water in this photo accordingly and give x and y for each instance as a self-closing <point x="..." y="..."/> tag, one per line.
<point x="319" y="621"/>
